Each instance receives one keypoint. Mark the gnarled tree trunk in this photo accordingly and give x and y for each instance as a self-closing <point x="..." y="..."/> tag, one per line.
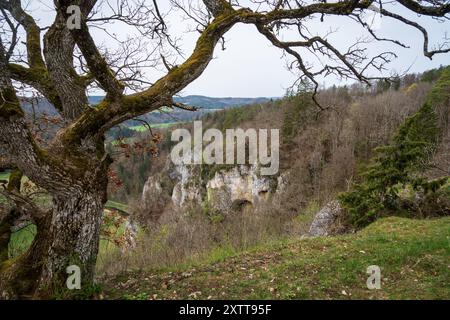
<point x="67" y="235"/>
<point x="73" y="238"/>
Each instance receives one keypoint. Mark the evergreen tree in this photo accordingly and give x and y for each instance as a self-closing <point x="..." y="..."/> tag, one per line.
<point x="399" y="163"/>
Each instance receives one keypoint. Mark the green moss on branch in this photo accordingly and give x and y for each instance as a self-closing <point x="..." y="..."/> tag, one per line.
<point x="9" y="104"/>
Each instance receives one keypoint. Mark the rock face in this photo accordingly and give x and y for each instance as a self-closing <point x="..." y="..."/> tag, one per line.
<point x="130" y="234"/>
<point x="325" y="219"/>
<point x="152" y="191"/>
<point x="227" y="190"/>
<point x="188" y="188"/>
<point x="241" y="185"/>
<point x="282" y="182"/>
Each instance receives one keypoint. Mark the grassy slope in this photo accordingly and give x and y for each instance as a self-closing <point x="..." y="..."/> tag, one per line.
<point x="21" y="240"/>
<point x="4" y="175"/>
<point x="117" y="205"/>
<point x="414" y="256"/>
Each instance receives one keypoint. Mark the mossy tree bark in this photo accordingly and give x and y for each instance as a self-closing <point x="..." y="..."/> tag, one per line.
<point x="73" y="235"/>
<point x="9" y="216"/>
<point x="68" y="234"/>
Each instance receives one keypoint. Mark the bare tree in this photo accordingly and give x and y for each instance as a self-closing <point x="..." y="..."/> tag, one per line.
<point x="64" y="63"/>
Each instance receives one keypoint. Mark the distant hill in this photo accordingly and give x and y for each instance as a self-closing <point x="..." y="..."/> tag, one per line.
<point x="218" y="103"/>
<point x="39" y="106"/>
<point x="206" y="104"/>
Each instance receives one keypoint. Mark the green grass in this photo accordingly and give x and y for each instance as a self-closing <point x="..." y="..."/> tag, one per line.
<point x="414" y="257"/>
<point x="21" y="240"/>
<point x="117" y="205"/>
<point x="125" y="140"/>
<point x="4" y="176"/>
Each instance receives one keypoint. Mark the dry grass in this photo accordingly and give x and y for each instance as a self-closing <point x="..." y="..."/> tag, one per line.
<point x="185" y="237"/>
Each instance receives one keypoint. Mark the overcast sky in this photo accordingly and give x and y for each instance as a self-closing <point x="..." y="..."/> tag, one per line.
<point x="251" y="67"/>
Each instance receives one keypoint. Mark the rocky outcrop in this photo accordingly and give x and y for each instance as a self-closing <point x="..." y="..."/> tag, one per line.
<point x="324" y="222"/>
<point x="220" y="189"/>
<point x="130" y="234"/>
<point x="188" y="185"/>
<point x="241" y="185"/>
<point x="152" y="190"/>
<point x="282" y="182"/>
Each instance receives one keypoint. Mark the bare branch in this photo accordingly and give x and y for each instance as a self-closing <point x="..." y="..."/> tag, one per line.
<point x="32" y="30"/>
<point x="184" y="106"/>
<point x="427" y="53"/>
<point x="437" y="9"/>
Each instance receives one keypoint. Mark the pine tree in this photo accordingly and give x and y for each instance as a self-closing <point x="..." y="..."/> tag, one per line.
<point x="399" y="163"/>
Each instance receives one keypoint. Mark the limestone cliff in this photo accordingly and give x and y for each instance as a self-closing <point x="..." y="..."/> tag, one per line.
<point x="221" y="189"/>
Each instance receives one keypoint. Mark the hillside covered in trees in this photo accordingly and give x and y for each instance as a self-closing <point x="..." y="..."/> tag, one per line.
<point x="380" y="151"/>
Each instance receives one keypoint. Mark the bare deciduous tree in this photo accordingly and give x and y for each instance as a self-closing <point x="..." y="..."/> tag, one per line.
<point x="64" y="63"/>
